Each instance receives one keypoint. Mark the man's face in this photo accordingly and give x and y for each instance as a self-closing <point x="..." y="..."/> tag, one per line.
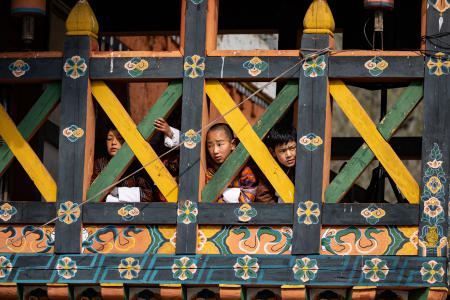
<point x="286" y="153"/>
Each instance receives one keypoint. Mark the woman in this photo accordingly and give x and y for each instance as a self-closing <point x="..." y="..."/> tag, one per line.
<point x="133" y="189"/>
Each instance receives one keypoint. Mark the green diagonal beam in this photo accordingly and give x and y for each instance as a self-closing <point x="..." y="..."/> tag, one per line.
<point x="362" y="158"/>
<point x="239" y="156"/>
<point x="123" y="158"/>
<point x="33" y="121"/>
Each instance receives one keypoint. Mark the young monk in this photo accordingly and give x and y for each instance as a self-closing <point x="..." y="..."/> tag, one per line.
<point x="220" y="142"/>
<point x="134" y="189"/>
<point x="282" y="144"/>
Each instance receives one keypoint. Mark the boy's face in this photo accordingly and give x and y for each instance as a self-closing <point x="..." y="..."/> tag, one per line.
<point x="219" y="145"/>
<point x="286" y="153"/>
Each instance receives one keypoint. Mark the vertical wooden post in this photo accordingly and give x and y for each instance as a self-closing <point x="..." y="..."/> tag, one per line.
<point x="433" y="228"/>
<point x="191" y="119"/>
<point x="76" y="141"/>
<point x="313" y="131"/>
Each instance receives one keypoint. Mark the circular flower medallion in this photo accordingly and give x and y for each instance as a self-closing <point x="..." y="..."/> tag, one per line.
<point x="67" y="268"/>
<point x="246" y="267"/>
<point x="129" y="268"/>
<point x="305" y="269"/>
<point x="184" y="268"/>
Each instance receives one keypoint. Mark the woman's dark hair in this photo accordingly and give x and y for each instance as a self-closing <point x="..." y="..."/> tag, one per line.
<point x="281" y="134"/>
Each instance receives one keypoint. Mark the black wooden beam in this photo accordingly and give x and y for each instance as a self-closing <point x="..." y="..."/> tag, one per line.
<point x="161" y="68"/>
<point x="31" y="69"/>
<point x="398" y="67"/>
<point x="191" y="119"/>
<point x="28" y="212"/>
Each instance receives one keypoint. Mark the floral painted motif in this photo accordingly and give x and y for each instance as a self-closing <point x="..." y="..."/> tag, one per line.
<point x="187" y="212"/>
<point x="68" y="212"/>
<point x="7" y="211"/>
<point x="201" y="240"/>
<point x="128" y="212"/>
<point x="136" y="66"/>
<point x="19" y="68"/>
<point x="73" y="133"/>
<point x="308" y="213"/>
<point x="129" y="268"/>
<point x="376" y="65"/>
<point x="375" y="269"/>
<point x="184" y="268"/>
<point x="432" y="272"/>
<point x="373" y="214"/>
<point x="194" y="66"/>
<point x="67" y="268"/>
<point x="5" y="267"/>
<point x="246" y="267"/>
<point x="314" y="67"/>
<point x="311" y="141"/>
<point x="197" y="1"/>
<point x="432" y="240"/>
<point x="305" y="269"/>
<point x="245" y="212"/>
<point x="255" y="66"/>
<point x="75" y="67"/>
<point x="190" y="139"/>
<point x="438" y="64"/>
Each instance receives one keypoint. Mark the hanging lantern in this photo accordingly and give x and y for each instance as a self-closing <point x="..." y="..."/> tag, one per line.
<point x="379" y="4"/>
<point x="27" y="7"/>
<point x="27" y="10"/>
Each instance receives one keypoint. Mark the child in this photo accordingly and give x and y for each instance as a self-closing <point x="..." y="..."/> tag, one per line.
<point x="282" y="144"/>
<point x="134" y="189"/>
<point x="220" y="142"/>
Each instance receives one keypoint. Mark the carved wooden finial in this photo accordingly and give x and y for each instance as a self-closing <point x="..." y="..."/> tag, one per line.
<point x="318" y="18"/>
<point x="82" y="20"/>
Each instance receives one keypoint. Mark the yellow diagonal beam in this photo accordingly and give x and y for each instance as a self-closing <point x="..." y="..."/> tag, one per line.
<point x="380" y="148"/>
<point x="26" y="157"/>
<point x="255" y="147"/>
<point x="143" y="151"/>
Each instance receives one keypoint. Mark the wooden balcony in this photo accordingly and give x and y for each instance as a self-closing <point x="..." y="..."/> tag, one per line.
<point x="300" y="248"/>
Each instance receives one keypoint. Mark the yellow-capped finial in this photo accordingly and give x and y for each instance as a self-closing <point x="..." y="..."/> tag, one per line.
<point x="318" y="18"/>
<point x="81" y="20"/>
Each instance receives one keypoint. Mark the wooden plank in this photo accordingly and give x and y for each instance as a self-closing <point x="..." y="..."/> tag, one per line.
<point x="254" y="53"/>
<point x="143" y="151"/>
<point x="361" y="159"/>
<point x="193" y="108"/>
<point x="212" y="25"/>
<point x="276" y="270"/>
<point x="149" y="213"/>
<point x="32" y="121"/>
<point x="131" y="54"/>
<point x="161" y="68"/>
<point x="312" y="165"/>
<point x="258" y="151"/>
<point x="375" y="141"/>
<point x="240" y="155"/>
<point x="27" y="158"/>
<point x="407" y="148"/>
<point x="76" y="149"/>
<point x="118" y="164"/>
<point x="434" y="186"/>
<point x="370" y="214"/>
<point x="31" y="54"/>
<point x="396" y="67"/>
<point x="35" y="69"/>
<point x="374" y="53"/>
<point x="232" y="68"/>
<point x="279" y="213"/>
<point x="24" y="212"/>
